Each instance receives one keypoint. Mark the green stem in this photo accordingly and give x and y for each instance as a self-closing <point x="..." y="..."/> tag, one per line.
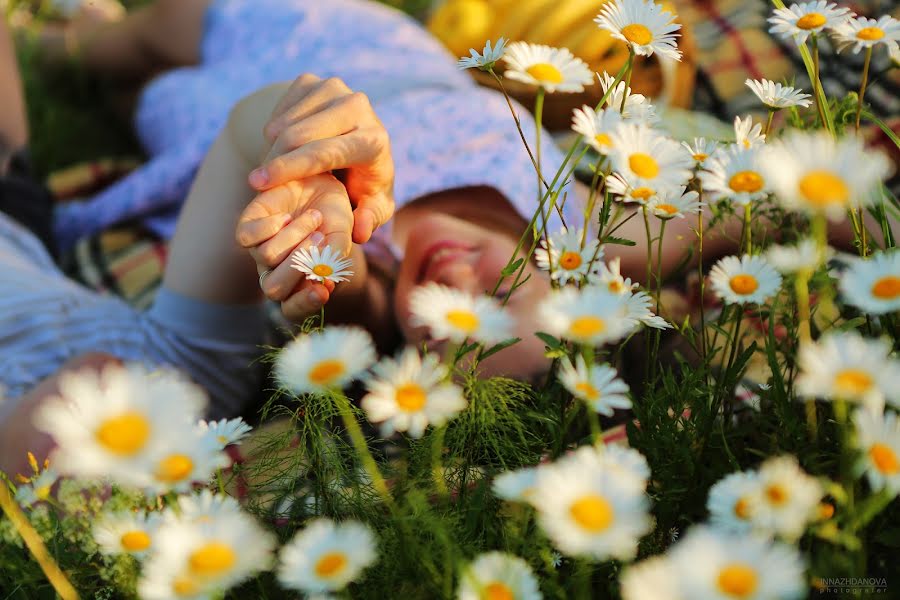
<point x="437" y="462"/>
<point x="748" y="229"/>
<point x="362" y="448"/>
<point x="700" y="272"/>
<point x="649" y="280"/>
<point x="518" y="123"/>
<point x="817" y="83"/>
<point x="769" y="122"/>
<point x="538" y="118"/>
<point x="862" y="87"/>
<point x="629" y="68"/>
<point x="801" y="291"/>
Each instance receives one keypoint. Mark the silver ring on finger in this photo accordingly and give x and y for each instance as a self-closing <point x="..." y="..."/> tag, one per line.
<point x="263" y="275"/>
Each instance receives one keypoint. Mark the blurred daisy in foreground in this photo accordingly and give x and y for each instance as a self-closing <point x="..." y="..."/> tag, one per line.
<point x="410" y="393"/>
<point x="650" y="579"/>
<point x="710" y="564"/>
<point x="588" y="509"/>
<point x="319" y="361"/>
<point x="642" y="24"/>
<point x="619" y="187"/>
<point x="815" y="174"/>
<point x="788" y="500"/>
<point x="735" y="174"/>
<point x="326" y="556"/>
<point x="744" y="280"/>
<point x="596" y="126"/>
<point x="202" y="507"/>
<point x="807" y="18"/>
<point x="322" y="265"/>
<point x="554" y="69"/>
<point x="455" y="315"/>
<point x="732" y="502"/>
<point x="193" y="458"/>
<point x="638" y="108"/>
<point x="609" y="275"/>
<point x="878" y="438"/>
<point x="226" y="431"/>
<point x="802" y="256"/>
<point x="747" y="135"/>
<point x="202" y="558"/>
<point x="649" y="161"/>
<point x="776" y="96"/>
<point x="590" y="316"/>
<point x="848" y="366"/>
<point x="630" y="464"/>
<point x="598" y="385"/>
<point x="863" y="33"/>
<point x="127" y="533"/>
<point x="701" y="149"/>
<point x="562" y="255"/>
<point x="873" y="285"/>
<point x="674" y="202"/>
<point x="516" y="486"/>
<point x="486" y="60"/>
<point x="498" y="576"/>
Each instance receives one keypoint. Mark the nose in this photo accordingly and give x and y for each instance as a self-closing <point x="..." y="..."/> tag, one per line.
<point x="460" y="275"/>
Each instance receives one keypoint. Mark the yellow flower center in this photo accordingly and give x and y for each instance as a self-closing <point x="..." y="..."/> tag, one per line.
<point x="642" y="193"/>
<point x="886" y="288"/>
<point x="885" y="459"/>
<point x="667" y="208"/>
<point x="746" y="181"/>
<point x="738" y="580"/>
<point x="852" y="382"/>
<point x="811" y="21"/>
<point x="700" y="156"/>
<point x="174" y="468"/>
<point x="497" y="591"/>
<point x="593" y="513"/>
<point x="616" y="286"/>
<point x="323" y="270"/>
<point x="545" y="73"/>
<point x="135" y="541"/>
<point x="42" y="492"/>
<point x="212" y="559"/>
<point x="327" y="371"/>
<point x="221" y="439"/>
<point x="742" y="509"/>
<point x="184" y="587"/>
<point x="603" y="140"/>
<point x="870" y="34"/>
<point x="637" y="34"/>
<point x="826" y="511"/>
<point x="821" y="188"/>
<point x="463" y="320"/>
<point x="124" y="435"/>
<point x="776" y="494"/>
<point x="584" y="327"/>
<point x="587" y="390"/>
<point x="570" y="260"/>
<point x="743" y="284"/>
<point x="331" y="564"/>
<point x="747" y="143"/>
<point x="410" y="397"/>
<point x="643" y="165"/>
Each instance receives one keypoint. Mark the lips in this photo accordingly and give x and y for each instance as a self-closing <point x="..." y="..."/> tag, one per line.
<point x="440" y="254"/>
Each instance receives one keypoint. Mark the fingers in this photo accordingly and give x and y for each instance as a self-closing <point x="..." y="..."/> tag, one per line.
<point x="308" y="299"/>
<point x="254" y="232"/>
<point x="272" y="252"/>
<point x="371" y="213"/>
<point x="307" y="96"/>
<point x="336" y="118"/>
<point x="283" y="280"/>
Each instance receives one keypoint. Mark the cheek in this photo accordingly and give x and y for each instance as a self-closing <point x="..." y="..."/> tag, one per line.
<point x="496" y="256"/>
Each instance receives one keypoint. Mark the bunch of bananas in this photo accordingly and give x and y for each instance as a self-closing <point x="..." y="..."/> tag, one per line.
<point x="464" y="24"/>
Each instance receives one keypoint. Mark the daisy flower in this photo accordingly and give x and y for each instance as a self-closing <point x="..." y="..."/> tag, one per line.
<point x="326" y="556"/>
<point x="816" y="174"/>
<point x="873" y="285"/>
<point x="747" y="134"/>
<point x="599" y="386"/>
<point x="127" y="533"/>
<point x="802" y="256"/>
<point x="809" y="18"/>
<point x="486" y="60"/>
<point x="324" y="360"/>
<point x="674" y="202"/>
<point x="562" y="255"/>
<point x="588" y="509"/>
<point x="776" y="96"/>
<point x="203" y="507"/>
<point x="848" y="366"/>
<point x="590" y="316"/>
<point x="735" y="174"/>
<point x="649" y="161"/>
<point x="732" y="502"/>
<point x="193" y="458"/>
<point x="609" y="275"/>
<point x="637" y="308"/>
<point x="788" y="500"/>
<point x="455" y="315"/>
<point x="411" y="393"/>
<point x="638" y="108"/>
<point x="554" y="69"/>
<point x="744" y="280"/>
<point x="618" y="186"/>
<point x="516" y="486"/>
<point x="650" y="579"/>
<point x="322" y="265"/>
<point x="226" y="431"/>
<point x="37" y="489"/>
<point x="200" y="558"/>
<point x="498" y="576"/>
<point x="710" y="564"/>
<point x="878" y="437"/>
<point x="116" y="422"/>
<point x="630" y="464"/>
<point x="701" y="149"/>
<point x="642" y="24"/>
<point x="863" y="33"/>
<point x="595" y="126"/>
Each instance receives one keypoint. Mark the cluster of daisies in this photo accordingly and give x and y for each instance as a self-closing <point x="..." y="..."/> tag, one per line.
<point x="808" y="19"/>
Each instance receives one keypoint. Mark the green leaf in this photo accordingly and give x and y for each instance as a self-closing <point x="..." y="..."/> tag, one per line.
<point x="511" y="268"/>
<point x="552" y="342"/>
<point x="498" y="347"/>
<point x="619" y="241"/>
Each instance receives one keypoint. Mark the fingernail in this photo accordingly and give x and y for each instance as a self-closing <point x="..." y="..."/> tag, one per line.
<point x="315" y="215"/>
<point x="259" y="177"/>
<point x="285" y="219"/>
<point x="317" y="238"/>
<point x="314" y="298"/>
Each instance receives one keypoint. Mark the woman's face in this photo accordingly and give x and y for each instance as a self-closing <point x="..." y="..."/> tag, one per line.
<point x="465" y="255"/>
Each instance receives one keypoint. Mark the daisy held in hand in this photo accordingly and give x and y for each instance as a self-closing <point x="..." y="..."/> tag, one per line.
<point x="322" y="265"/>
